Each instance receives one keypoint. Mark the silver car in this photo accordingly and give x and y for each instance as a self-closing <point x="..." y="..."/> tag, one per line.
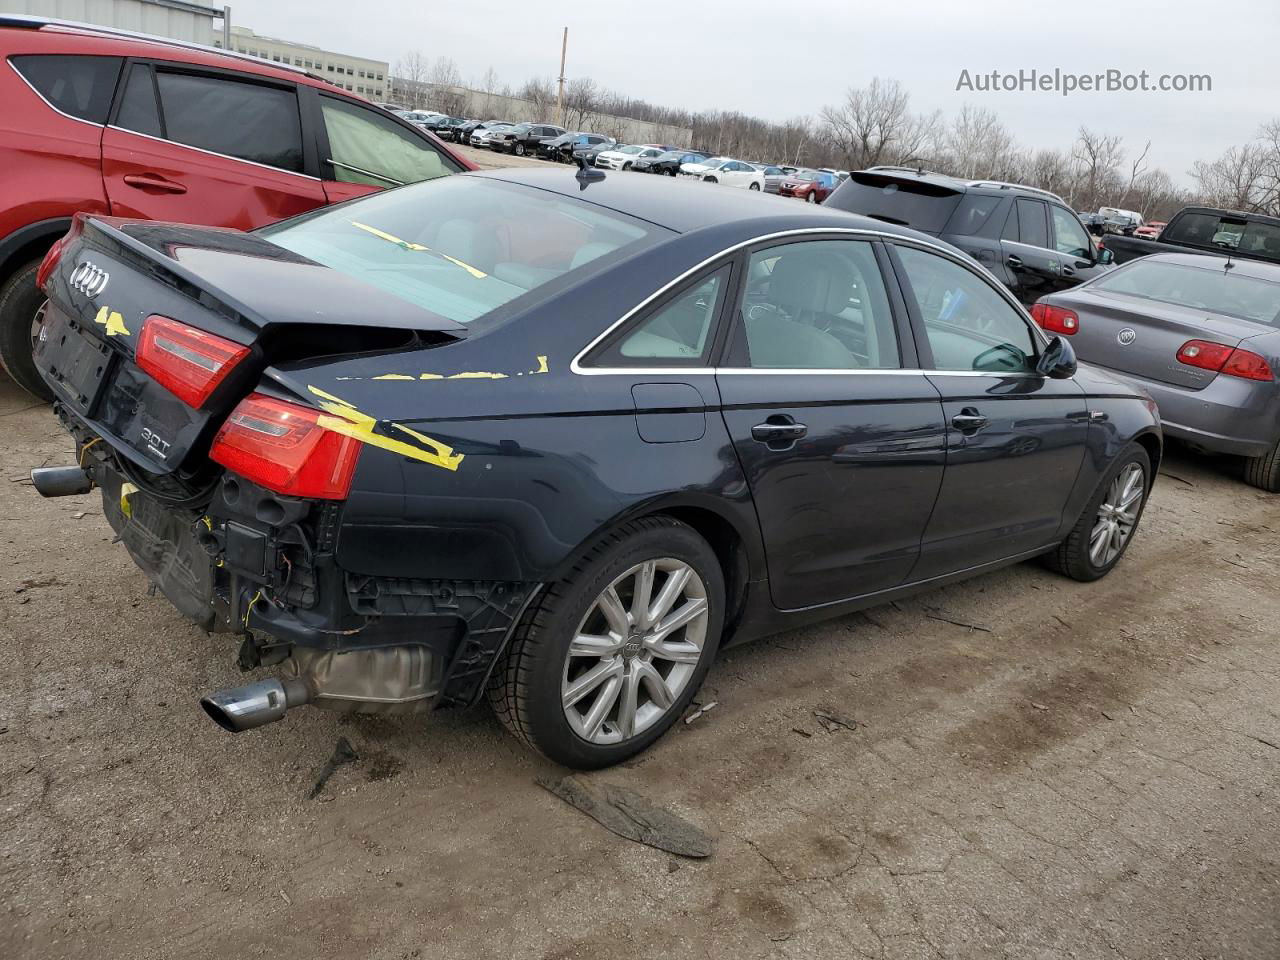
<point x="1201" y="334"/>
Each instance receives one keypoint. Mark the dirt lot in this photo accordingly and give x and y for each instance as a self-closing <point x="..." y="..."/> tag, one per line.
<point x="487" y="159"/>
<point x="1092" y="773"/>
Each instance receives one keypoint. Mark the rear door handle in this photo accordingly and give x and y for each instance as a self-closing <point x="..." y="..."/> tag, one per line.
<point x="1014" y="262"/>
<point x="780" y="429"/>
<point x="150" y="181"/>
<point x="969" y="421"/>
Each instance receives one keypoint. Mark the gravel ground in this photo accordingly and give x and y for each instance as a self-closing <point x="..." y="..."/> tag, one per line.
<point x="1086" y="771"/>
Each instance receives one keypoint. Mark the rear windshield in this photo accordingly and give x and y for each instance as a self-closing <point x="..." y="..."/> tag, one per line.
<point x="461" y="247"/>
<point x="1251" y="237"/>
<point x="1211" y="289"/>
<point x="919" y="204"/>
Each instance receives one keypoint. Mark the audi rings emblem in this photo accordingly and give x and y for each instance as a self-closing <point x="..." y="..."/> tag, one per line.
<point x="89" y="278"/>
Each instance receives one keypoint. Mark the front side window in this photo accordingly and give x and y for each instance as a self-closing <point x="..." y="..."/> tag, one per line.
<point x="79" y="86"/>
<point x="816" y="305"/>
<point x="968" y="325"/>
<point x="463" y="247"/>
<point x="367" y="147"/>
<point x="243" y="120"/>
<point x="1068" y="236"/>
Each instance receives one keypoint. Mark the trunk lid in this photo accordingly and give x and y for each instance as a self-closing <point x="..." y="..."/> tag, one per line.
<point x="1142" y="337"/>
<point x="113" y="275"/>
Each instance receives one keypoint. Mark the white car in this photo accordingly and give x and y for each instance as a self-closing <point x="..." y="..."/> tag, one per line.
<point x="726" y="170"/>
<point x="623" y="157"/>
<point x="480" y="138"/>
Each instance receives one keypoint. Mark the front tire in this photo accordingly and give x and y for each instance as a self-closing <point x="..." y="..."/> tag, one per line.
<point x="607" y="659"/>
<point x="1264" y="472"/>
<point x="1109" y="520"/>
<point x="21" y="307"/>
<point x="520" y="151"/>
<point x="754" y="186"/>
<point x="811" y="197"/>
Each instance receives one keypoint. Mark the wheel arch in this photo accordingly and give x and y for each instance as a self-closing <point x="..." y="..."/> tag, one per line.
<point x="1151" y="441"/>
<point x="27" y="243"/>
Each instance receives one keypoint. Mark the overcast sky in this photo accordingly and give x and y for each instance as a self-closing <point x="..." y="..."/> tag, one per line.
<point x="776" y="59"/>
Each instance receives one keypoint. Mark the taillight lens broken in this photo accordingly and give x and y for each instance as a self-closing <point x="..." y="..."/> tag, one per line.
<point x="187" y="362"/>
<point x="1056" y="319"/>
<point x="1221" y="358"/>
<point x="282" y="446"/>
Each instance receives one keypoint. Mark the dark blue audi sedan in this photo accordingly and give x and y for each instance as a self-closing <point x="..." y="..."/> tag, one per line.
<point x="556" y="438"/>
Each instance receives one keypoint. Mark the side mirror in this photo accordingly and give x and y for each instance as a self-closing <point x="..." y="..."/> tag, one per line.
<point x="1058" y="362"/>
<point x="1106" y="257"/>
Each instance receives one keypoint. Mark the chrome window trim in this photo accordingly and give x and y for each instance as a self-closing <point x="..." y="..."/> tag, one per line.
<point x="44" y="99"/>
<point x="214" y="153"/>
<point x="575" y="365"/>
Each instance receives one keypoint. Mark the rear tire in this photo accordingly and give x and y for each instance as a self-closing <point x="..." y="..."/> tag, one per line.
<point x="1086" y="554"/>
<point x="754" y="186"/>
<point x="1264" y="472"/>
<point x="520" y="150"/>
<point x="532" y="688"/>
<point x="20" y="303"/>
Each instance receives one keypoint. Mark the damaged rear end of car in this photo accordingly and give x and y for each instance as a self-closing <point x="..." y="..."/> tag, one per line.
<point x="183" y="362"/>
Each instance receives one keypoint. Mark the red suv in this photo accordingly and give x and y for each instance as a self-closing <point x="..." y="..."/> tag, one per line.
<point x="126" y="125"/>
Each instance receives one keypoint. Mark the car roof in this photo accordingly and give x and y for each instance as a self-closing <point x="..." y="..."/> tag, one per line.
<point x="1255" y="269"/>
<point x="957" y="184"/>
<point x="108" y="41"/>
<point x="685" y="206"/>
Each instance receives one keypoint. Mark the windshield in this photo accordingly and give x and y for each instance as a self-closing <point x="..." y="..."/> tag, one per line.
<point x="520" y="128"/>
<point x="808" y="176"/>
<point x="461" y="247"/>
<point x="630" y="150"/>
<point x="1212" y="289"/>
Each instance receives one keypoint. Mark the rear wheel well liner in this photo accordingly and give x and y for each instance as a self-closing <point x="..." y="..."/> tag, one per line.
<point x="29" y="242"/>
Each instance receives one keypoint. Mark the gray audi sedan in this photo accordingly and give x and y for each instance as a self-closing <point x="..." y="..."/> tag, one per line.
<point x="1201" y="334"/>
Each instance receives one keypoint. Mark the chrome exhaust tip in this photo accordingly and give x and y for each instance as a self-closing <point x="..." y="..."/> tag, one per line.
<point x="256" y="704"/>
<point x="60" y="481"/>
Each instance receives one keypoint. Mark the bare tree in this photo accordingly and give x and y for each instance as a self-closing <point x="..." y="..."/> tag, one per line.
<point x="978" y="144"/>
<point x="875" y="125"/>
<point x="1099" y="159"/>
<point x="541" y="93"/>
<point x="447" y="93"/>
<point x="414" y="68"/>
<point x="1236" y="180"/>
<point x="581" y="98"/>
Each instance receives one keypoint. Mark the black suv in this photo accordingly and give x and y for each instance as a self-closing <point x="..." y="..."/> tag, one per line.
<point x="1029" y="238"/>
<point x="524" y="138"/>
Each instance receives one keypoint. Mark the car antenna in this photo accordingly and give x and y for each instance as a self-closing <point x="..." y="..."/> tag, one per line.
<point x="1228" y="264"/>
<point x="587" y="175"/>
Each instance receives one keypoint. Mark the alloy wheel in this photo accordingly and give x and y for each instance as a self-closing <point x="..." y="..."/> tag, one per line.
<point x="635" y="651"/>
<point x="1117" y="516"/>
<point x="37" y="325"/>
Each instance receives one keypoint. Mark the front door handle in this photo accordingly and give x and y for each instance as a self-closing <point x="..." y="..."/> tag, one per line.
<point x="150" y="181"/>
<point x="778" y="431"/>
<point x="1067" y="271"/>
<point x="1015" y="262"/>
<point x="969" y="421"/>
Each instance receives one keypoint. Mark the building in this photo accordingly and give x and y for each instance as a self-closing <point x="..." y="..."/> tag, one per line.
<point x="174" y="19"/>
<point x="357" y="74"/>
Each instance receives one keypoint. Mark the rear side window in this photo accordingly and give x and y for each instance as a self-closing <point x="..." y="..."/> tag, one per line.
<point x="78" y="86"/>
<point x="972" y="214"/>
<point x="139" y="110"/>
<point x="243" y="120"/>
<point x="679" y="332"/>
<point x="366" y="147"/>
<point x="1032" y="226"/>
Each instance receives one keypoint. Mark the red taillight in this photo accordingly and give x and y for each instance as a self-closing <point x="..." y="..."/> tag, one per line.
<point x="187" y="362"/>
<point x="1220" y="358"/>
<point x="1055" y="319"/>
<point x="50" y="261"/>
<point x="283" y="447"/>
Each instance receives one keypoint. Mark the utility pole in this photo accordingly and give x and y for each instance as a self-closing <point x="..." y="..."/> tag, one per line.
<point x="564" y="49"/>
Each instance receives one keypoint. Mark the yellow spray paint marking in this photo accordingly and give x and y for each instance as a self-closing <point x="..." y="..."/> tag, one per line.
<point x="350" y="422"/>
<point x="477" y="375"/>
<point x="417" y="248"/>
<point x="542" y="365"/>
<point x="112" y="320"/>
<point x="127" y="490"/>
<point x="393" y="376"/>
